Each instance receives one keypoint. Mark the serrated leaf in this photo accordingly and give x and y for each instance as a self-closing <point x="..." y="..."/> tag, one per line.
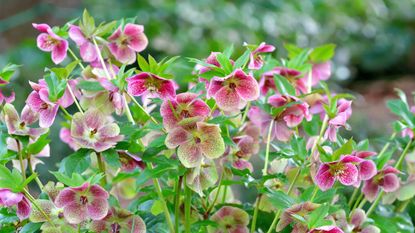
<point x="283" y="85"/>
<point x="77" y="162"/>
<point x="242" y="60"/>
<point x="280" y="200"/>
<point x="142" y="63"/>
<point x="316" y="218"/>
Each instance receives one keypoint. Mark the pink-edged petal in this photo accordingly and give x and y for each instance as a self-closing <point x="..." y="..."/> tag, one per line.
<point x="77" y="35"/>
<point x="98" y="192"/>
<point x="88" y="52"/>
<point x="23" y="209"/>
<point x="321" y="71"/>
<point x="9" y="198"/>
<point x="75" y="213"/>
<point x="43" y="42"/>
<point x="326" y="229"/>
<point x="264" y="48"/>
<point x="109" y="130"/>
<point x="42" y="27"/>
<point x="212" y="144"/>
<point x="277" y="100"/>
<point x="229" y="100"/>
<point x="214" y="86"/>
<point x="370" y="189"/>
<point x="116" y="34"/>
<point x="176" y="137"/>
<point x="242" y="164"/>
<point x="190" y="155"/>
<point x="357" y="217"/>
<point x="122" y="53"/>
<point x="29" y="116"/>
<point x="137" y="84"/>
<point x="367" y="169"/>
<point x="324" y="179"/>
<point x="97" y="209"/>
<point x="390" y="182"/>
<point x="59" y="51"/>
<point x="137" y="40"/>
<point x="65" y="197"/>
<point x="167" y="89"/>
<point x="247" y="87"/>
<point x="331" y="133"/>
<point x="34" y="101"/>
<point x="293" y="120"/>
<point x="350" y="159"/>
<point x="281" y="131"/>
<point x="349" y="174"/>
<point x="47" y="116"/>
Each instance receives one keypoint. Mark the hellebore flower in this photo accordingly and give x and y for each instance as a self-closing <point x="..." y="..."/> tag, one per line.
<point x="94" y="130"/>
<point x="344" y="170"/>
<point x="130" y="162"/>
<point x="367" y="168"/>
<point x="385" y="179"/>
<point x="119" y="220"/>
<point x="9" y="198"/>
<point x="39" y="101"/>
<point x="287" y="217"/>
<point x="203" y="140"/>
<point x="83" y="203"/>
<point x="232" y="92"/>
<point x="65" y="136"/>
<point x="48" y="41"/>
<point x="86" y="47"/>
<point x="246" y="146"/>
<point x="326" y="229"/>
<point x="150" y="85"/>
<point x="202" y="177"/>
<point x="267" y="81"/>
<point x="344" y="111"/>
<point x="185" y="105"/>
<point x="256" y="62"/>
<point x="356" y="222"/>
<point x="114" y="95"/>
<point x="291" y="115"/>
<point x="20" y="126"/>
<point x="6" y="99"/>
<point x="125" y="43"/>
<point x="14" y="145"/>
<point x="230" y="220"/>
<point x="319" y="71"/>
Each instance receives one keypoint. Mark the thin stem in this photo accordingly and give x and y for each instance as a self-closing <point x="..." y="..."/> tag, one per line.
<point x="362" y="203"/>
<point x="19" y="151"/>
<point x="128" y="111"/>
<point x="245" y="112"/>
<point x="264" y="170"/>
<point x="101" y="59"/>
<point x="142" y="109"/>
<point x="76" y="58"/>
<point x="74" y="98"/>
<point x="353" y="197"/>
<point x="187" y="205"/>
<point x="216" y="195"/>
<point x="33" y="201"/>
<point x="67" y="114"/>
<point x="313" y="196"/>
<point x="255" y="216"/>
<point x="359" y="199"/>
<point x="178" y="189"/>
<point x="274" y="222"/>
<point x="401" y="208"/>
<point x="101" y="166"/>
<point x="38" y="182"/>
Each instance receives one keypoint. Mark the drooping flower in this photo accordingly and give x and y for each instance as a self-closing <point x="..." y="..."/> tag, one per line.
<point x="125" y="43"/>
<point x="326" y="229"/>
<point x="356" y="222"/>
<point x="255" y="58"/>
<point x="149" y="85"/>
<point x="367" y="168"/>
<point x="20" y="126"/>
<point x="94" y="130"/>
<point x="185" y="105"/>
<point x="233" y="91"/>
<point x="344" y="111"/>
<point x="83" y="203"/>
<point x="9" y="198"/>
<point x="87" y="49"/>
<point x="193" y="144"/>
<point x="385" y="179"/>
<point x="202" y="177"/>
<point x="14" y="145"/>
<point x="230" y="220"/>
<point x="246" y="146"/>
<point x="115" y="96"/>
<point x="267" y="81"/>
<point x="129" y="162"/>
<point x="48" y="41"/>
<point x="344" y="170"/>
<point x="6" y="99"/>
<point x="287" y="217"/>
<point x="293" y="113"/>
<point x="119" y="220"/>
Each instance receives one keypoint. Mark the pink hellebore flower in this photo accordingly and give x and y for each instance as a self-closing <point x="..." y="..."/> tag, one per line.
<point x="48" y="41"/>
<point x="185" y="105"/>
<point x="125" y="43"/>
<point x="319" y="71"/>
<point x="256" y="62"/>
<point x="385" y="179"/>
<point x="232" y="92"/>
<point x="20" y="126"/>
<point x="230" y="220"/>
<point x="119" y="220"/>
<point x="326" y="229"/>
<point x="94" y="130"/>
<point x="86" y="47"/>
<point x="83" y="203"/>
<point x="344" y="111"/>
<point x="293" y="76"/>
<point x="367" y="168"/>
<point x="39" y="101"/>
<point x="8" y="198"/>
<point x="203" y="140"/>
<point x="65" y="136"/>
<point x="286" y="119"/>
<point x="150" y="85"/>
<point x="114" y="95"/>
<point x="287" y="217"/>
<point x="6" y="99"/>
<point x="356" y="223"/>
<point x="246" y="147"/>
<point x="129" y="162"/>
<point x="345" y="170"/>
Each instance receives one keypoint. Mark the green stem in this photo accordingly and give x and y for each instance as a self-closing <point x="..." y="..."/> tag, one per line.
<point x="101" y="166"/>
<point x="38" y="182"/>
<point x="74" y="98"/>
<point x="128" y="111"/>
<point x="353" y="197"/>
<point x="255" y="216"/>
<point x="274" y="221"/>
<point x="67" y="114"/>
<point x="314" y="193"/>
<point x="142" y="109"/>
<point x="264" y="170"/>
<point x="178" y="188"/>
<point x="76" y="58"/>
<point x="362" y="203"/>
<point x="101" y="60"/>
<point x="401" y="208"/>
<point x="216" y="196"/>
<point x="19" y="152"/>
<point x="245" y="112"/>
<point x="187" y="205"/>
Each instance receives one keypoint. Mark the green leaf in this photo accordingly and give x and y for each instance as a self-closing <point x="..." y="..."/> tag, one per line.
<point x="242" y="60"/>
<point x="77" y="162"/>
<point x="73" y="181"/>
<point x="283" y="85"/>
<point x="224" y="63"/>
<point x="142" y="63"/>
<point x="10" y="180"/>
<point x="280" y="200"/>
<point x="7" y="72"/>
<point x="38" y="146"/>
<point x="399" y="108"/>
<point x="345" y="149"/>
<point x="322" y="53"/>
<point x="389" y="221"/>
<point x="7" y="217"/>
<point x="298" y="61"/>
<point x="228" y="51"/>
<point x="112" y="158"/>
<point x="292" y="50"/>
<point x="90" y="86"/>
<point x="31" y="227"/>
<point x="157" y="207"/>
<point x="316" y="218"/>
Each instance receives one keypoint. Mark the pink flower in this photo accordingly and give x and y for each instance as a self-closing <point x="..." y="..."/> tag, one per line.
<point x="344" y="111"/>
<point x="6" y="99"/>
<point x="65" y="136"/>
<point x="293" y="76"/>
<point x="20" y="126"/>
<point x="232" y="92"/>
<point x="385" y="179"/>
<point x="125" y="43"/>
<point x="94" y="130"/>
<point x="319" y="72"/>
<point x="48" y="41"/>
<point x="150" y="85"/>
<point x="114" y="95"/>
<point x="356" y="223"/>
<point x="287" y="217"/>
<point x="345" y="170"/>
<point x="184" y="105"/>
<point x="326" y="229"/>
<point x="193" y="144"/>
<point x="231" y="220"/>
<point x="86" y="47"/>
<point x="246" y="146"/>
<point x="129" y="162"/>
<point x="119" y="220"/>
<point x="39" y="101"/>
<point x="256" y="62"/>
<point x="291" y="116"/>
<point x="8" y="198"/>
<point x="83" y="203"/>
<point x="367" y="168"/>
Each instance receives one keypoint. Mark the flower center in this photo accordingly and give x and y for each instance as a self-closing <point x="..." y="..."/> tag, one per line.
<point x="44" y="106"/>
<point x="92" y="133"/>
<point x="185" y="113"/>
<point x="83" y="200"/>
<point x="22" y="124"/>
<point x="197" y="140"/>
<point x="115" y="228"/>
<point x="337" y="169"/>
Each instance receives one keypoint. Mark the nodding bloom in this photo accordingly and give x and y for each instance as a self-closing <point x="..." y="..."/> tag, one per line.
<point x="119" y="220"/>
<point x="48" y="41"/>
<point x="20" y="126"/>
<point x="202" y="177"/>
<point x="319" y="72"/>
<point x="149" y="85"/>
<point x="367" y="168"/>
<point x="125" y="43"/>
<point x="129" y="162"/>
<point x="344" y="111"/>
<point x="94" y="130"/>
<point x="345" y="170"/>
<point x="14" y="145"/>
<point x="326" y="229"/>
<point x="230" y="219"/>
<point x="114" y="95"/>
<point x="386" y="179"/>
<point x="82" y="203"/>
<point x="287" y="217"/>
<point x="193" y="144"/>
<point x="267" y="82"/>
<point x="291" y="116"/>
<point x="87" y="49"/>
<point x="39" y="101"/>
<point x="356" y="222"/>
<point x="233" y="91"/>
<point x="246" y="146"/>
<point x="9" y="198"/>
<point x="185" y="105"/>
<point x="255" y="58"/>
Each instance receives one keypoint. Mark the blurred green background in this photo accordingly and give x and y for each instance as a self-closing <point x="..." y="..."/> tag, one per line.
<point x="375" y="40"/>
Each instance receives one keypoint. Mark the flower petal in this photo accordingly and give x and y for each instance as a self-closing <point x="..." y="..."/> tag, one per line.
<point x="324" y="178"/>
<point x="247" y="87"/>
<point x="367" y="169"/>
<point x="190" y="154"/>
<point x="88" y="52"/>
<point x="349" y="174"/>
<point x="97" y="209"/>
<point x="59" y="51"/>
<point x="75" y="213"/>
<point x="23" y="209"/>
<point x="390" y="182"/>
<point x="370" y="189"/>
<point x="65" y="197"/>
<point x="176" y="137"/>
